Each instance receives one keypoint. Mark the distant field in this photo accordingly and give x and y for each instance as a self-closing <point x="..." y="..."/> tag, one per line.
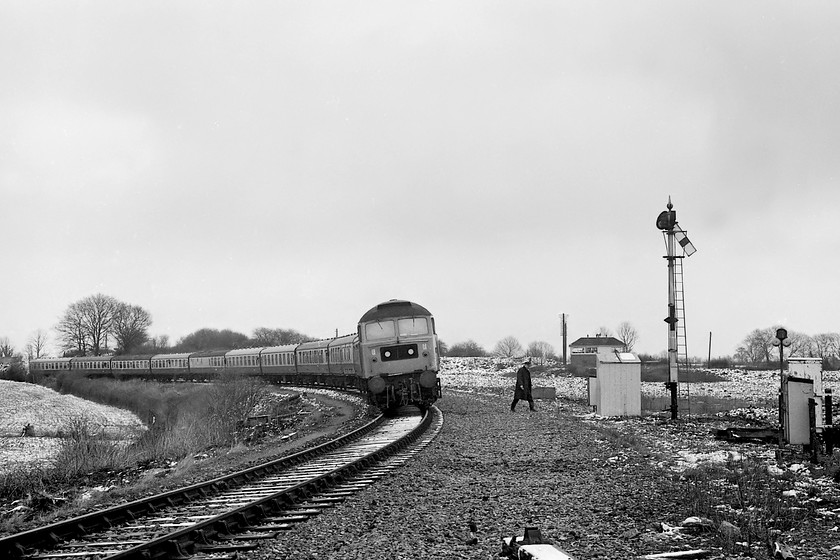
<point x="48" y="413"/>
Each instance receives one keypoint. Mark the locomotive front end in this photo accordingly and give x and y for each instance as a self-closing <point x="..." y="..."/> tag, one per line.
<point x="399" y="355"/>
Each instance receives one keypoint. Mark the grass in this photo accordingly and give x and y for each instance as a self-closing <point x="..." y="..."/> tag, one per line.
<point x="746" y="494"/>
<point x="184" y="419"/>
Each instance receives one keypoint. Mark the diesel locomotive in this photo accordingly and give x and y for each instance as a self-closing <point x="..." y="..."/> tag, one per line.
<point x="393" y="357"/>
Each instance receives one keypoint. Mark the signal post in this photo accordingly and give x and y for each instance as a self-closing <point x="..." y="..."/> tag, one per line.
<point x="667" y="222"/>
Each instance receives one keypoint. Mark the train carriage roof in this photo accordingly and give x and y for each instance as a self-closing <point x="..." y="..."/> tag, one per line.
<point x="315" y="344"/>
<point x="244" y="352"/>
<point x="208" y="353"/>
<point x="50" y="360"/>
<point x="177" y="356"/>
<point x="275" y="349"/>
<point x="132" y="357"/>
<point x="91" y="359"/>
<point x="395" y="308"/>
<point x="345" y="339"/>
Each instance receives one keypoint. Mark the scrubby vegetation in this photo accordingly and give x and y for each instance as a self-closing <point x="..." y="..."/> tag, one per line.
<point x="182" y="420"/>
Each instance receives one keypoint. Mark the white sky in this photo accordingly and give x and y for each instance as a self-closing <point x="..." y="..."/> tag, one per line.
<point x="292" y="164"/>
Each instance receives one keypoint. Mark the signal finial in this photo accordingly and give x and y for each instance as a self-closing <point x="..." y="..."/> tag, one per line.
<point x="669" y="203"/>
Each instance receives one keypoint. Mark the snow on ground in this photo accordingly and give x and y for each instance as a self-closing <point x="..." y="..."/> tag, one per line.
<point x="48" y="413"/>
<point x="756" y="387"/>
<point x="753" y="395"/>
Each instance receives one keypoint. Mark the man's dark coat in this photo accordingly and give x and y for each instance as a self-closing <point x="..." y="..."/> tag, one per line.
<point x="523" y="384"/>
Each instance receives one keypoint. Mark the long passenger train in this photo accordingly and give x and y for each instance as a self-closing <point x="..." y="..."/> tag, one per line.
<point x="393" y="357"/>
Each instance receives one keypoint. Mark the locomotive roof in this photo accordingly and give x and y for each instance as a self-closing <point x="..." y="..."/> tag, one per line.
<point x="395" y="308"/>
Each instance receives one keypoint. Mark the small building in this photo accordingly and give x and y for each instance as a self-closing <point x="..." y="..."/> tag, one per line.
<point x="616" y="389"/>
<point x="587" y="350"/>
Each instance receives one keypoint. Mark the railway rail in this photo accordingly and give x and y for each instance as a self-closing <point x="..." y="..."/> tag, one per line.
<point x="218" y="518"/>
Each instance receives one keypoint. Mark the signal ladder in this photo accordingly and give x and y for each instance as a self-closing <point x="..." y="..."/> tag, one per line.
<point x="683" y="364"/>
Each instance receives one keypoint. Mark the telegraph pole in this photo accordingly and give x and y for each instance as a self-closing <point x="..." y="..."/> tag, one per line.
<point x="563" y="330"/>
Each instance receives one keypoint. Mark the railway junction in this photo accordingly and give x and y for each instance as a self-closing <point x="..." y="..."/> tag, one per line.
<point x="594" y="487"/>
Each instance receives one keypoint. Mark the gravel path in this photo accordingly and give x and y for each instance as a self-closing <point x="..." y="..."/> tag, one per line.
<point x="504" y="471"/>
<point x="598" y="488"/>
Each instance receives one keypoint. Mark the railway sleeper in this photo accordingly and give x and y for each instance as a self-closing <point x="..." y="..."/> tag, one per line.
<point x="225" y="547"/>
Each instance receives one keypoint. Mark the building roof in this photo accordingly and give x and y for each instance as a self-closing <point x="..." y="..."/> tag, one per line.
<point x="620" y="358"/>
<point x="597" y="341"/>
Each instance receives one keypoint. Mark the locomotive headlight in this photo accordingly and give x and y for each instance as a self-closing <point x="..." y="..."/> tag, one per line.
<point x="387" y="354"/>
<point x="411" y="351"/>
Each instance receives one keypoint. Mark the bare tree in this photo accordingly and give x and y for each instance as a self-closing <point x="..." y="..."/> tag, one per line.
<point x="604" y="331"/>
<point x="540" y="351"/>
<point x="627" y="334"/>
<point x="826" y="345"/>
<point x="508" y="347"/>
<point x="130" y="326"/>
<point x="98" y="314"/>
<point x="71" y="330"/>
<point x="757" y="346"/>
<point x="6" y="348"/>
<point x="800" y="344"/>
<point x="160" y="342"/>
<point x="86" y="325"/>
<point x="36" y="345"/>
<point x="278" y="337"/>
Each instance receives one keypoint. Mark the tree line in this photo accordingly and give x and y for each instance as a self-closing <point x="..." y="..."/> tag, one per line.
<point x="509" y="347"/>
<point x="101" y="324"/>
<point x="758" y="347"/>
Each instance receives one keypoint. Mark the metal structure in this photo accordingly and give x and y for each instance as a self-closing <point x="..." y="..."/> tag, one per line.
<point x="674" y="235"/>
<point x="563" y="330"/>
<point x="781" y="341"/>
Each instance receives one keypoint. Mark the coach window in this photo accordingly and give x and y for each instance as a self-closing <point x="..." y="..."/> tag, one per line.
<point x="379" y="330"/>
<point x="415" y="325"/>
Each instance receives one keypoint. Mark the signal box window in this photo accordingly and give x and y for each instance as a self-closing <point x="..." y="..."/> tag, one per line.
<point x="379" y="330"/>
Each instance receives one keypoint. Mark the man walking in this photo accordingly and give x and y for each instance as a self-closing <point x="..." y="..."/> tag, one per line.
<point x="523" y="386"/>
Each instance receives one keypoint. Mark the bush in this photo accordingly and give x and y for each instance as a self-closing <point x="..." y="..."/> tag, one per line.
<point x="16" y="371"/>
<point x="721" y="363"/>
<point x="83" y="450"/>
<point x="468" y="349"/>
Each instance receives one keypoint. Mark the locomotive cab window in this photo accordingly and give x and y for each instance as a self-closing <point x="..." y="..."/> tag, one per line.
<point x="413" y="326"/>
<point x="380" y="330"/>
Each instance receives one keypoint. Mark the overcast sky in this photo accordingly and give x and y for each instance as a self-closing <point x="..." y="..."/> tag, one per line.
<point x="292" y="164"/>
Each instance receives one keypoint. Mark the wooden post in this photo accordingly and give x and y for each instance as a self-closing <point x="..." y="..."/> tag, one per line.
<point x="812" y="423"/>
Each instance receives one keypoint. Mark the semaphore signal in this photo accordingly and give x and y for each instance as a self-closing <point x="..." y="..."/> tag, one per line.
<point x="674" y="235"/>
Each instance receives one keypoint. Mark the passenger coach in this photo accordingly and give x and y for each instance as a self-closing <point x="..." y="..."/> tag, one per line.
<point x="393" y="357"/>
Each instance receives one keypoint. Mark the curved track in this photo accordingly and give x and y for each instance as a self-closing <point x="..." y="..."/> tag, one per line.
<point x="219" y="517"/>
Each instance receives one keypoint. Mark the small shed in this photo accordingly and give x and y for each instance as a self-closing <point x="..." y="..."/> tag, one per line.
<point x="807" y="368"/>
<point x="616" y="389"/>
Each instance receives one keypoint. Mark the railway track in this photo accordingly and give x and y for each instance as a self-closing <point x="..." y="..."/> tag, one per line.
<point x="224" y="516"/>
